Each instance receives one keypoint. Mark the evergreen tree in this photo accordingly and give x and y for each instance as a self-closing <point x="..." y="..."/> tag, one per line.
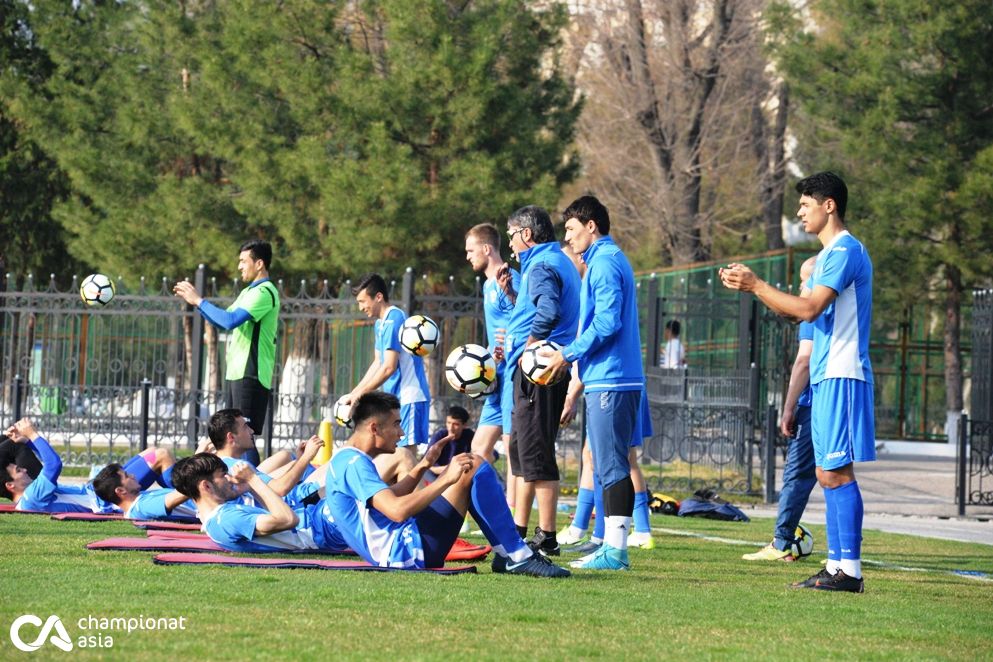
<point x="899" y="97"/>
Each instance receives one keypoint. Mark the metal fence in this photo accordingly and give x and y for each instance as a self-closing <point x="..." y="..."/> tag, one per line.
<point x="103" y="382"/>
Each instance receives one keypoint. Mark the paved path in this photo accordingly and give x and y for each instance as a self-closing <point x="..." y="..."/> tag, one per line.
<point x="908" y="494"/>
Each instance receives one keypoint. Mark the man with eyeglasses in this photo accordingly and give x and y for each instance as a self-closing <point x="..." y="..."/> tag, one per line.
<point x="546" y="308"/>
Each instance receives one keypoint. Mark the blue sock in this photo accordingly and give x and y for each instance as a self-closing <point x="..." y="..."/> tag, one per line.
<point x="598" y="526"/>
<point x="488" y="507"/>
<point x="138" y="467"/>
<point x="831" y="522"/>
<point x="584" y="509"/>
<point x="165" y="478"/>
<point x="848" y="504"/>
<point x="641" y="517"/>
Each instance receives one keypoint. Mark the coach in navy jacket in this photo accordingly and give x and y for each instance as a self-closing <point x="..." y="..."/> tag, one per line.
<point x="608" y="351"/>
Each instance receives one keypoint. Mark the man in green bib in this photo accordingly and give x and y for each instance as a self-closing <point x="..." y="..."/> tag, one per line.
<point x="252" y="320"/>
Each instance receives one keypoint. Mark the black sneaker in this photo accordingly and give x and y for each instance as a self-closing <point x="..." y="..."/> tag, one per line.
<point x="544" y="542"/>
<point x="535" y="566"/>
<point x="811" y="581"/>
<point x="499" y="564"/>
<point x="839" y="581"/>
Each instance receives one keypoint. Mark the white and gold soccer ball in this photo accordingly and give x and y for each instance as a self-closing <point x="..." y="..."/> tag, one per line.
<point x="97" y="290"/>
<point x="535" y="366"/>
<point x="803" y="542"/>
<point x="342" y="412"/>
<point x="419" y="335"/>
<point x="470" y="369"/>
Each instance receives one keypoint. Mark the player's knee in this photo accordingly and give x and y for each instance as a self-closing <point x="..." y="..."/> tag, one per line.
<point x="164" y="458"/>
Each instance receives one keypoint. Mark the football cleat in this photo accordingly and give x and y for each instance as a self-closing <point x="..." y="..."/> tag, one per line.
<point x="770" y="553"/>
<point x="839" y="581"/>
<point x="570" y="535"/>
<point x="535" y="566"/>
<point x="809" y="582"/>
<point x="605" y="558"/>
<point x="584" y="548"/>
<point x="642" y="539"/>
<point x="543" y="543"/>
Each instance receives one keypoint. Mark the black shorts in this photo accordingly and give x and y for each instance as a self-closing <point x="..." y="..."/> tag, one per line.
<point x="534" y="427"/>
<point x="252" y="398"/>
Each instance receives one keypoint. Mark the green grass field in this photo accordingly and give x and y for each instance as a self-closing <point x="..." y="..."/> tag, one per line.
<point x="689" y="598"/>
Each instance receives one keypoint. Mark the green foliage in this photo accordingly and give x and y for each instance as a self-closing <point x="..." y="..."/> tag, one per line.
<point x="30" y="183"/>
<point x="897" y="96"/>
<point x="356" y="137"/>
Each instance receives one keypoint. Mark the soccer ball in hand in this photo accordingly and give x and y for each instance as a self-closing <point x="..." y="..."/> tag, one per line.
<point x="419" y="335"/>
<point x="342" y="413"/>
<point x="534" y="366"/>
<point x="803" y="543"/>
<point x="470" y="369"/>
<point x="96" y="289"/>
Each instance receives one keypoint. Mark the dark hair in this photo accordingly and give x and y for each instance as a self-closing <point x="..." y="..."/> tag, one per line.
<point x="537" y="220"/>
<point x="260" y="250"/>
<point x="4" y="492"/>
<point x="824" y="185"/>
<point x="222" y="422"/>
<point x="486" y="233"/>
<point x="107" y="481"/>
<point x="673" y="326"/>
<point x="459" y="413"/>
<point x="373" y="284"/>
<point x="588" y="208"/>
<point x="188" y="472"/>
<point x="372" y="405"/>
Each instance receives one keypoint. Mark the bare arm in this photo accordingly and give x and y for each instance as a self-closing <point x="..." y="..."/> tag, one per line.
<point x="172" y="500"/>
<point x="281" y="517"/>
<point x="400" y="508"/>
<point x="413" y="479"/>
<point x="289" y="478"/>
<point x="375" y="378"/>
<point x="739" y="277"/>
<point x="799" y="379"/>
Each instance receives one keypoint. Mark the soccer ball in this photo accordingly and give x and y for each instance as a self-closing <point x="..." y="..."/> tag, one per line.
<point x="803" y="544"/>
<point x="96" y="289"/>
<point x="534" y="366"/>
<point x="470" y="369"/>
<point x="419" y="335"/>
<point x="489" y="390"/>
<point x="342" y="413"/>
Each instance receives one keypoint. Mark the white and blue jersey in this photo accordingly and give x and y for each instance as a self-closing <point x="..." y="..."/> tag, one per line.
<point x="151" y="505"/>
<point x="408" y="382"/>
<point x="352" y="482"/>
<point x="497" y="308"/>
<point x="232" y="526"/>
<point x="45" y="496"/>
<point x="841" y="332"/>
<point x="293" y="498"/>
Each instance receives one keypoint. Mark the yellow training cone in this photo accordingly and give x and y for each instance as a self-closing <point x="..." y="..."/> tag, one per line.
<point x="325" y="453"/>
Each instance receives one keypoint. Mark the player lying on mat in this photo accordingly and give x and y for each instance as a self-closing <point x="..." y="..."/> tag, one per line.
<point x="115" y="485"/>
<point x="396" y="526"/>
<point x="239" y="527"/>
<point x="45" y="494"/>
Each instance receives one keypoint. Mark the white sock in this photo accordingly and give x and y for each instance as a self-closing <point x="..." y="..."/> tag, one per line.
<point x="833" y="566"/>
<point x="576" y="532"/>
<point x="852" y="567"/>
<point x="615" y="531"/>
<point x="596" y="541"/>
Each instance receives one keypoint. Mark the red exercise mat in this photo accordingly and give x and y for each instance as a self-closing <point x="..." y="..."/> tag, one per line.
<point x="312" y="564"/>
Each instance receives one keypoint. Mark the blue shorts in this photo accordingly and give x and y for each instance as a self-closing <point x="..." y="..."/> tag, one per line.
<point x="492" y="413"/>
<point x="843" y="423"/>
<point x="644" y="427"/>
<point x="439" y="526"/>
<point x="611" y="421"/>
<point x="414" y="421"/>
<point x="507" y="396"/>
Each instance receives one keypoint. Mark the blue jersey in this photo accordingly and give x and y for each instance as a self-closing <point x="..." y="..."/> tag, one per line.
<point x="547" y="305"/>
<point x="608" y="348"/>
<point x="294" y="497"/>
<point x="232" y="526"/>
<point x="841" y="332"/>
<point x="44" y="495"/>
<point x="151" y="505"/>
<point x="352" y="482"/>
<point x="408" y="381"/>
<point x="497" y="308"/>
<point x="805" y="332"/>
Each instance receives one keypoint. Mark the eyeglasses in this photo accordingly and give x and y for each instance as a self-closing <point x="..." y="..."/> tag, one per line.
<point x="512" y="233"/>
